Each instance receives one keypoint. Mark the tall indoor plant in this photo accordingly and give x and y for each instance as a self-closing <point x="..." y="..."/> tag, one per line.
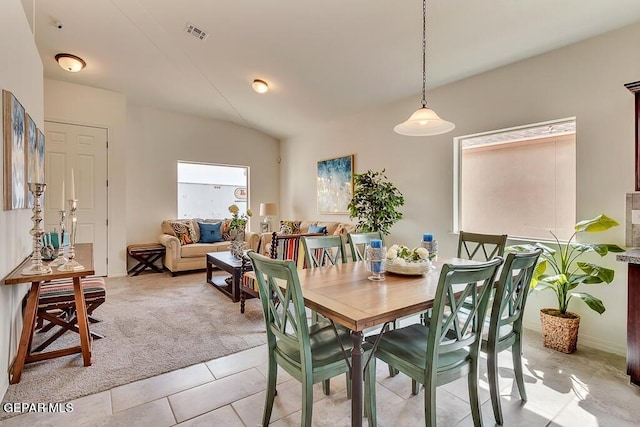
<point x="375" y="202"/>
<point x="562" y="272"/>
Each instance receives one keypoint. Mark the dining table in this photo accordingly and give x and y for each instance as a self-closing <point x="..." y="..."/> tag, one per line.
<point x="344" y="294"/>
<point x="84" y="256"/>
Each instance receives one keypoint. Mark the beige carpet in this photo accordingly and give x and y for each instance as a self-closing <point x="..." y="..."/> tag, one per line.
<point x="152" y="323"/>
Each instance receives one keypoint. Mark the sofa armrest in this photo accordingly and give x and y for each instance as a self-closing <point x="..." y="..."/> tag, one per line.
<point x="172" y="245"/>
<point x="252" y="239"/>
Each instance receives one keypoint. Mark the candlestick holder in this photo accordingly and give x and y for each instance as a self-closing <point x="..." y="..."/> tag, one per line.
<point x="61" y="259"/>
<point x="72" y="264"/>
<point x="37" y="189"/>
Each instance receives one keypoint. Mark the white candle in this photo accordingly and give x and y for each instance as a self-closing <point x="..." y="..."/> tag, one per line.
<point x="36" y="178"/>
<point x="73" y="186"/>
<point x="62" y="197"/>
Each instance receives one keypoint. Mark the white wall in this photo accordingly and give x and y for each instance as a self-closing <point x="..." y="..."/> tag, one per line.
<point x="83" y="105"/>
<point x="20" y="73"/>
<point x="158" y="139"/>
<point x="583" y="80"/>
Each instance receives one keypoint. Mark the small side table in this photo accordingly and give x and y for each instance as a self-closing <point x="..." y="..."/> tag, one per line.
<point x="146" y="254"/>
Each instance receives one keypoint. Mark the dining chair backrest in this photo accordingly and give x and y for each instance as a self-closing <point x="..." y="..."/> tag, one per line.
<point x="459" y="308"/>
<point x="284" y="311"/>
<point x="510" y="295"/>
<point x="481" y="247"/>
<point x="323" y="250"/>
<point x="357" y="241"/>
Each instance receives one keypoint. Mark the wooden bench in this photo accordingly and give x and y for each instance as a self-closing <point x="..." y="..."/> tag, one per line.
<point x="56" y="305"/>
<point x="146" y="254"/>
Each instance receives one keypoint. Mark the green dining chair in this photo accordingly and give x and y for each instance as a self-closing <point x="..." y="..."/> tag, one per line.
<point x="505" y="322"/>
<point x="481" y="247"/>
<point x="320" y="251"/>
<point x="311" y="354"/>
<point x="323" y="250"/>
<point x="357" y="241"/>
<point x="448" y="348"/>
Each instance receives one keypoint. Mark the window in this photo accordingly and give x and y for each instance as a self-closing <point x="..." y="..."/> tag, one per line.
<point x="207" y="191"/>
<point x="519" y="181"/>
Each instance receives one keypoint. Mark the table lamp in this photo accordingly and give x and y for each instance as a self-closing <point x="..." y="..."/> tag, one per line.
<point x="267" y="210"/>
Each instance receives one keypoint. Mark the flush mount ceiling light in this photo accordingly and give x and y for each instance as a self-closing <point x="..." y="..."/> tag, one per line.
<point x="70" y="62"/>
<point x="260" y="86"/>
<point x="424" y="121"/>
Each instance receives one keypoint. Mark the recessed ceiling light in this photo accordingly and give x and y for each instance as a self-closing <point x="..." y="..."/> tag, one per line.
<point x="70" y="62"/>
<point x="260" y="86"/>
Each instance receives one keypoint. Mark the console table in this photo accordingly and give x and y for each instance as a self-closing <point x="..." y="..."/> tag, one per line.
<point x="84" y="255"/>
<point x="632" y="258"/>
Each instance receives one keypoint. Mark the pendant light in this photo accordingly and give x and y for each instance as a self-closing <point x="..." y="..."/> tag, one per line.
<point x="424" y="121"/>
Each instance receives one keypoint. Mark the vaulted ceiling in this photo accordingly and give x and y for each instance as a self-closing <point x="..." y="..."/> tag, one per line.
<point x="322" y="59"/>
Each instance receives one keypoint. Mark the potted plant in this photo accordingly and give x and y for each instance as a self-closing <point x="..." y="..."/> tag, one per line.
<point x="375" y="202"/>
<point x="562" y="272"/>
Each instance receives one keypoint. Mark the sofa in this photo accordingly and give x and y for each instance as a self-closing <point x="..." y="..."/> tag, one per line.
<point x="184" y="247"/>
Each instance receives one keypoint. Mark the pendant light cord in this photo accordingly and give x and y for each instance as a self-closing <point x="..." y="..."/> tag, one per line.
<point x="424" y="53"/>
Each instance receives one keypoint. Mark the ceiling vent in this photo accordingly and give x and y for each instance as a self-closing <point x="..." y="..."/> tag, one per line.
<point x="195" y="31"/>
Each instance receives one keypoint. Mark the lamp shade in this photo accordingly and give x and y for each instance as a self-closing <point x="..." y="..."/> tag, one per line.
<point x="268" y="209"/>
<point x="424" y="122"/>
<point x="70" y="62"/>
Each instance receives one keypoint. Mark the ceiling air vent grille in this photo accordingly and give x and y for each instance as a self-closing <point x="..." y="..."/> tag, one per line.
<point x="196" y="32"/>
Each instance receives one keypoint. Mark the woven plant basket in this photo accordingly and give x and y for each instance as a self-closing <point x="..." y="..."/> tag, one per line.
<point x="559" y="333"/>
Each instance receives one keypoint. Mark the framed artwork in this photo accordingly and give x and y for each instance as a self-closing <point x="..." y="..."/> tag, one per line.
<point x="32" y="154"/>
<point x="15" y="170"/>
<point x="335" y="185"/>
<point x="265" y="227"/>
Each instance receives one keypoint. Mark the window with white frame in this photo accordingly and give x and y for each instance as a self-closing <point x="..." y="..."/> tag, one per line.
<point x="207" y="190"/>
<point x="519" y="181"/>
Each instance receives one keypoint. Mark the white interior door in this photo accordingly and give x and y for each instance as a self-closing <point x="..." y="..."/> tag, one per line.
<point x="83" y="149"/>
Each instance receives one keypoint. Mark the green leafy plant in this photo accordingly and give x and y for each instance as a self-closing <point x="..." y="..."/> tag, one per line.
<point x="567" y="272"/>
<point x="375" y="202"/>
<point x="238" y="221"/>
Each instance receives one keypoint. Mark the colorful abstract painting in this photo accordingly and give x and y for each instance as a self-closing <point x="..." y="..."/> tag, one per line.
<point x="32" y="155"/>
<point x="335" y="185"/>
<point x="15" y="171"/>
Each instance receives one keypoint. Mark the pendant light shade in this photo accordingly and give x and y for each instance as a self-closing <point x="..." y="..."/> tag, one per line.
<point x="425" y="121"/>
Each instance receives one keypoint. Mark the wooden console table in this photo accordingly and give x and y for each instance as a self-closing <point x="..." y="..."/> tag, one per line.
<point x="632" y="257"/>
<point x="84" y="255"/>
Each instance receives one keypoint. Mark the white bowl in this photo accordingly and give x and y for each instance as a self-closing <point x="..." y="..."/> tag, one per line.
<point x="409" y="268"/>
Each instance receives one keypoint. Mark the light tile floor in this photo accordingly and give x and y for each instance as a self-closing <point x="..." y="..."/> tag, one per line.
<point x="587" y="388"/>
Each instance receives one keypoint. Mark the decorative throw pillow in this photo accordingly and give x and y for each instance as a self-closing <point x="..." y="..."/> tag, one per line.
<point x="340" y="230"/>
<point x="317" y="229"/>
<point x="210" y="232"/>
<point x="290" y="227"/>
<point x="184" y="232"/>
<point x="225" y="229"/>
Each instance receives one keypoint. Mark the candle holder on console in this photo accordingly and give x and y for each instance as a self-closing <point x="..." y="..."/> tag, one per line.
<point x="72" y="264"/>
<point x="61" y="259"/>
<point x="37" y="189"/>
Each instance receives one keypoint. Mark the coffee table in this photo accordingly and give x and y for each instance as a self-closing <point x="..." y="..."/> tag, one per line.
<point x="232" y="265"/>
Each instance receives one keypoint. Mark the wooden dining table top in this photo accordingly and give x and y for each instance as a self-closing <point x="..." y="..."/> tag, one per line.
<point x="344" y="294"/>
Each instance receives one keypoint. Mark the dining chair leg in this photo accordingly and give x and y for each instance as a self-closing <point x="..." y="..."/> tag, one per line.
<point x="516" y="352"/>
<point x="430" y="404"/>
<point x="307" y="400"/>
<point x="494" y="384"/>
<point x="415" y="387"/>
<point x="474" y="399"/>
<point x="326" y="387"/>
<point x="272" y="376"/>
<point x="370" y="393"/>
<point x="348" y="377"/>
